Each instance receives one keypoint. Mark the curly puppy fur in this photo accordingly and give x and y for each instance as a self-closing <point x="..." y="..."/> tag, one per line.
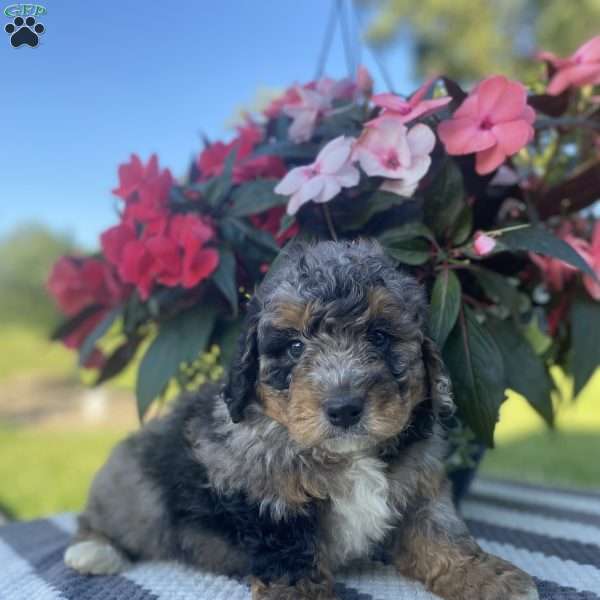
<point x="324" y="446"/>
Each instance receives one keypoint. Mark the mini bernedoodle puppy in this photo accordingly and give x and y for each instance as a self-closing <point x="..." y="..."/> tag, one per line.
<point x="323" y="447"/>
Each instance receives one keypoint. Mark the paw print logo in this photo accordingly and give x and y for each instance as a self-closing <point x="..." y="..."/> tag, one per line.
<point x="24" y="32"/>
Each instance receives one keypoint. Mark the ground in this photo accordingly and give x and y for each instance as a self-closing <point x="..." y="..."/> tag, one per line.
<point x="55" y="433"/>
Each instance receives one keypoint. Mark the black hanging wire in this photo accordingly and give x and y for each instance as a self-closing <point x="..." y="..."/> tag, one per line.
<point x="375" y="54"/>
<point x="346" y="40"/>
<point x="327" y="40"/>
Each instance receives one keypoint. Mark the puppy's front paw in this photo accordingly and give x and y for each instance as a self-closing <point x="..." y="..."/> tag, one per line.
<point x="303" y="590"/>
<point x="94" y="557"/>
<point x="491" y="578"/>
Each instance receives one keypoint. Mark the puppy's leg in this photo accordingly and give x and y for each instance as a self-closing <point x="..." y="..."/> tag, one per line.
<point x="304" y="589"/>
<point x="93" y="554"/>
<point x="436" y="548"/>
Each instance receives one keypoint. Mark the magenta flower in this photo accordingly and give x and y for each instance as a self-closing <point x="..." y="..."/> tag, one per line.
<point x="411" y="109"/>
<point x="388" y="149"/>
<point x="493" y="122"/>
<point x="483" y="244"/>
<point x="314" y="102"/>
<point x="581" y="68"/>
<point x="322" y="180"/>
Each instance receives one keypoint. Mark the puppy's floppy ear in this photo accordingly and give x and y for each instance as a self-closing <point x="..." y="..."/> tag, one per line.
<point x="438" y="380"/>
<point x="239" y="389"/>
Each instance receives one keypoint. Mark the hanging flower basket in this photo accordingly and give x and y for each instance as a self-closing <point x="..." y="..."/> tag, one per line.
<point x="479" y="194"/>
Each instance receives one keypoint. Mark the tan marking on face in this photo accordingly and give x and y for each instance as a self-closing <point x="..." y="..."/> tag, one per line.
<point x="305" y="413"/>
<point x="291" y="315"/>
<point x="274" y="403"/>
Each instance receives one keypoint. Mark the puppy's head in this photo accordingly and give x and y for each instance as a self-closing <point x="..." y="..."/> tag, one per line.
<point x="334" y="348"/>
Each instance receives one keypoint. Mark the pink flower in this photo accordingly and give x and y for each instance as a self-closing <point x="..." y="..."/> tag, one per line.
<point x="323" y="179"/>
<point x="364" y="81"/>
<point x="494" y="122"/>
<point x="411" y="109"/>
<point x="483" y="244"/>
<point x="593" y="258"/>
<point x="314" y="103"/>
<point x="581" y="68"/>
<point x="555" y="272"/>
<point x="388" y="149"/>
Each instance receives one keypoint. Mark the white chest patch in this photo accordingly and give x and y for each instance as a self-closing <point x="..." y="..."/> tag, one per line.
<point x="361" y="516"/>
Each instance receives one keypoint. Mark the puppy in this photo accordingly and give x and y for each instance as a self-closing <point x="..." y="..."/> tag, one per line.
<point x="323" y="447"/>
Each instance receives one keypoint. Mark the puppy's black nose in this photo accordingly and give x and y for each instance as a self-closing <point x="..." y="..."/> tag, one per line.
<point x="344" y="411"/>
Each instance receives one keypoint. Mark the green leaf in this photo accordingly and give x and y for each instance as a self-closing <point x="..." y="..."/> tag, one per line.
<point x="525" y="371"/>
<point x="585" y="357"/>
<point x="224" y="278"/>
<point x="286" y="222"/>
<point x="378" y="202"/>
<point x="444" y="198"/>
<point x="463" y="226"/>
<point x="69" y="326"/>
<point x="218" y="188"/>
<point x="255" y="197"/>
<point x="445" y="304"/>
<point x="225" y="336"/>
<point x="181" y="339"/>
<point x="245" y="233"/>
<point x="302" y="153"/>
<point x="98" y="332"/>
<point x="539" y="240"/>
<point x="411" y="252"/>
<point x="406" y="232"/>
<point x="498" y="288"/>
<point x="477" y="372"/>
<point x="119" y="359"/>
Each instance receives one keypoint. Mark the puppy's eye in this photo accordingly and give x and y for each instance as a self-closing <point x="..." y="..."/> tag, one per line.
<point x="379" y="339"/>
<point x="295" y="349"/>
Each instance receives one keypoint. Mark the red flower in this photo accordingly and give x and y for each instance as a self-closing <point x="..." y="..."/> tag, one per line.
<point x="212" y="159"/>
<point x="270" y="221"/>
<point x="80" y="283"/>
<point x="145" y="190"/>
<point x="175" y="253"/>
<point x="261" y="166"/>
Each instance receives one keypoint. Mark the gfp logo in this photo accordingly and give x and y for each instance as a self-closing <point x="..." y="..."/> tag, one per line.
<point x="24" y="29"/>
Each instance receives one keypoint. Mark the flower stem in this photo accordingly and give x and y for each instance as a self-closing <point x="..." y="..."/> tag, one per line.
<point x="329" y="221"/>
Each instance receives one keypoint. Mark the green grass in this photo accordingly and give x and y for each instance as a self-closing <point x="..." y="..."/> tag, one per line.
<point x="527" y="450"/>
<point x="28" y="351"/>
<point x="44" y="472"/>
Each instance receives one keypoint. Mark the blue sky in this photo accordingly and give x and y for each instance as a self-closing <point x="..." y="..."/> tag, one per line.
<point x="114" y="77"/>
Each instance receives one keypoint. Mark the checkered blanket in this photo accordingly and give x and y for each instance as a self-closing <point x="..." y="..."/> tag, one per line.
<point x="552" y="534"/>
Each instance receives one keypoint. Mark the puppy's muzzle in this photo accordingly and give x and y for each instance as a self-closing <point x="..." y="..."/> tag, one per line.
<point x="344" y="411"/>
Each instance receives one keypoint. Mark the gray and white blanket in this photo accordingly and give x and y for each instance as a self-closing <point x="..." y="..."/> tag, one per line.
<point x="552" y="534"/>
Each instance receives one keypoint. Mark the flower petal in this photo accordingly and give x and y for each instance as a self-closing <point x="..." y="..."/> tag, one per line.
<point x="488" y="160"/>
<point x="331" y="188"/>
<point x="421" y="140"/>
<point x="464" y="136"/>
<point x="590" y="51"/>
<point x="293" y="181"/>
<point x="512" y="136"/>
<point x="400" y="187"/>
<point x="333" y="155"/>
<point x="490" y="94"/>
<point x="348" y="176"/>
<point x="392" y="102"/>
<point x="576" y="75"/>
